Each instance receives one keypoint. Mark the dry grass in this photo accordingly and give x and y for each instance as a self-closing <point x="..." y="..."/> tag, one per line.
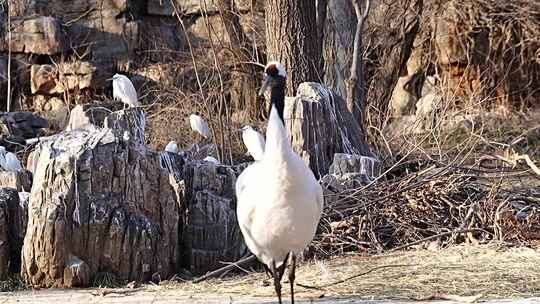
<point x="495" y="271"/>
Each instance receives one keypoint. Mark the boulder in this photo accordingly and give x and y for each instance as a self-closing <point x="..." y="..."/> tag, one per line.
<point x="54" y="110"/>
<point x="37" y="35"/>
<point x="87" y="116"/>
<point x="22" y="124"/>
<point x="211" y="234"/>
<point x="320" y="125"/>
<point x="366" y="166"/>
<point x="43" y="79"/>
<point x="99" y="204"/>
<point x="405" y="94"/>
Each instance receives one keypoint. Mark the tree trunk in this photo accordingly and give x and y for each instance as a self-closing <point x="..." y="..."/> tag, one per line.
<point x="292" y="39"/>
<point x="396" y="24"/>
<point x="245" y="78"/>
<point x="339" y="30"/>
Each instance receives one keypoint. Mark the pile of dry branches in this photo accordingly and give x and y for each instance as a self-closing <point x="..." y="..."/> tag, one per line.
<point x="446" y="204"/>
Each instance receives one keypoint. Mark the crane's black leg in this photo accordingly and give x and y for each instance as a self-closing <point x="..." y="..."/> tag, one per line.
<point x="277" y="280"/>
<point x="291" y="271"/>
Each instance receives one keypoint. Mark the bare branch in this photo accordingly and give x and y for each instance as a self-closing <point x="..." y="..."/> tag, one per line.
<point x="355" y="90"/>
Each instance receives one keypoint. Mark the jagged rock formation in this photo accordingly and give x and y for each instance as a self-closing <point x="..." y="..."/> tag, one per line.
<point x="100" y="203"/>
<point x="320" y="125"/>
<point x="211" y="233"/>
<point x="12" y="229"/>
<point x="22" y="124"/>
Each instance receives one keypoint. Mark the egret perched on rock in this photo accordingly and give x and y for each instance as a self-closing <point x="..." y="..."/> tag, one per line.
<point x="172" y="147"/>
<point x="12" y="163"/>
<point x="124" y="91"/>
<point x="211" y="160"/>
<point x="254" y="142"/>
<point x="279" y="200"/>
<point x="3" y="158"/>
<point x="199" y="125"/>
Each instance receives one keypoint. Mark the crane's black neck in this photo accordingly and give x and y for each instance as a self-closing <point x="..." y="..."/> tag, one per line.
<point x="277" y="98"/>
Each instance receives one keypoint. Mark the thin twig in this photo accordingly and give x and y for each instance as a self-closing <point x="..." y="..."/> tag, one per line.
<point x="221" y="270"/>
<point x="437" y="236"/>
<point x="321" y="287"/>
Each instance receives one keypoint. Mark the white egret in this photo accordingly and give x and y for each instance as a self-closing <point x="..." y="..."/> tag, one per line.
<point x="3" y="158"/>
<point x="124" y="91"/>
<point x="211" y="160"/>
<point x="12" y="163"/>
<point x="254" y="142"/>
<point x="172" y="147"/>
<point x="279" y="200"/>
<point x="199" y="125"/>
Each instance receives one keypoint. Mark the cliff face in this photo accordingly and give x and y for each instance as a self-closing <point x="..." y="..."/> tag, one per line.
<point x="68" y="49"/>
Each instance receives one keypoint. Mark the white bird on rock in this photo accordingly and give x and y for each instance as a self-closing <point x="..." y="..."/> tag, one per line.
<point x="12" y="163"/>
<point x="124" y="91"/>
<point x="172" y="147"/>
<point x="211" y="160"/>
<point x="254" y="142"/>
<point x="3" y="158"/>
<point x="199" y="125"/>
<point x="279" y="200"/>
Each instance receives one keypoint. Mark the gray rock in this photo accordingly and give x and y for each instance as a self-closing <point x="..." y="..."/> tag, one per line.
<point x="320" y="125"/>
<point x="12" y="228"/>
<point x="211" y="233"/>
<point x="37" y="35"/>
<point x="105" y="203"/>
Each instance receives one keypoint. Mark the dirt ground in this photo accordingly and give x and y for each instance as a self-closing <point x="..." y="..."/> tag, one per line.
<point x="462" y="274"/>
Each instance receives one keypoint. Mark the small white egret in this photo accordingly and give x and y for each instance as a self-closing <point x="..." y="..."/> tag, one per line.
<point x="172" y="147"/>
<point x="124" y="91"/>
<point x="279" y="200"/>
<point x="211" y="160"/>
<point x="12" y="163"/>
<point x="199" y="125"/>
<point x="3" y="158"/>
<point x="254" y="142"/>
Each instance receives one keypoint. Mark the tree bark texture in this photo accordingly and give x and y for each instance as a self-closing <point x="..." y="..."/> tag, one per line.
<point x="100" y="203"/>
<point x="391" y="31"/>
<point x="292" y="39"/>
<point x="244" y="76"/>
<point x="320" y="125"/>
<point x="338" y="45"/>
<point x="211" y="233"/>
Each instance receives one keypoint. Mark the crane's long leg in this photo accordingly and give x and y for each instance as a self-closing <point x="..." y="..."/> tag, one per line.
<point x="277" y="281"/>
<point x="291" y="271"/>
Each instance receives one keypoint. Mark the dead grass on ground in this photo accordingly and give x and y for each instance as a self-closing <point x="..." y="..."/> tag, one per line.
<point x="493" y="271"/>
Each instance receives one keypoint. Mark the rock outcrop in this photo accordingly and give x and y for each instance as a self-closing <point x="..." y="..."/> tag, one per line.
<point x="211" y="234"/>
<point x="12" y="228"/>
<point x="100" y="203"/>
<point x="320" y="125"/>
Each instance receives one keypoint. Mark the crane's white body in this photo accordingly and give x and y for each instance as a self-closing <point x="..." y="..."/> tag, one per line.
<point x="172" y="147"/>
<point x="279" y="200"/>
<point x="12" y="163"/>
<point x="199" y="125"/>
<point x="211" y="159"/>
<point x="254" y="142"/>
<point x="124" y="91"/>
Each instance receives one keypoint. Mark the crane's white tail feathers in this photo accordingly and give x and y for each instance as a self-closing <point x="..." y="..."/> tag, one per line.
<point x="277" y="141"/>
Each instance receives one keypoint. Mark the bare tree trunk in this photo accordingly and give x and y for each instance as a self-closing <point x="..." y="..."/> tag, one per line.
<point x="292" y="39"/>
<point x="245" y="82"/>
<point x="355" y="84"/>
<point x="338" y="44"/>
<point x="393" y="48"/>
